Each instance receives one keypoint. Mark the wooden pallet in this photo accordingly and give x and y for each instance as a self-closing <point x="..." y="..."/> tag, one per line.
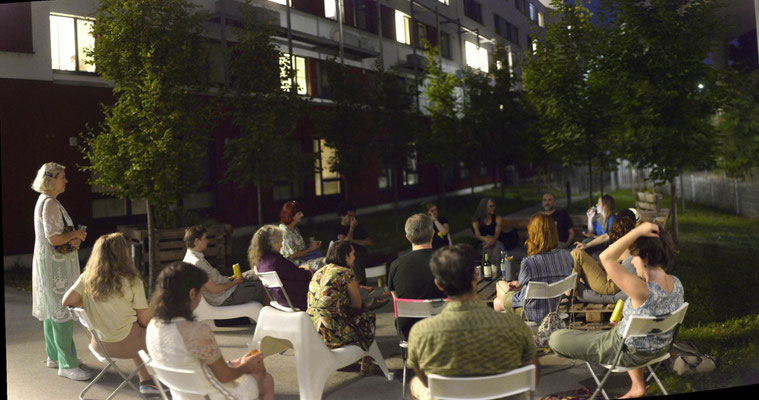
<point x="590" y="316"/>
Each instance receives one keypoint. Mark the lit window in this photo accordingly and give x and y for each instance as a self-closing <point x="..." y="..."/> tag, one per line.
<point x="533" y="14"/>
<point x="402" y="27"/>
<point x="534" y="46"/>
<point x="69" y="38"/>
<point x="298" y="64"/>
<point x="463" y="171"/>
<point x="283" y="2"/>
<point x="385" y="178"/>
<point x="541" y="23"/>
<point x="326" y="182"/>
<point x="411" y="173"/>
<point x="330" y="9"/>
<point x="446" y="2"/>
<point x="476" y="58"/>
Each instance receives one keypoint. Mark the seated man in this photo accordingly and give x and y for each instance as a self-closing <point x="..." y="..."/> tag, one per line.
<point x="410" y="276"/>
<point x="563" y="221"/>
<point x="350" y="230"/>
<point x="467" y="338"/>
<point x="220" y="290"/>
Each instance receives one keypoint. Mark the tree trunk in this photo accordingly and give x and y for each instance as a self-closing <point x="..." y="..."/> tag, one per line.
<point x="394" y="182"/>
<point x="675" y="227"/>
<point x="153" y="265"/>
<point x="259" y="206"/>
<point x="590" y="183"/>
<point x="501" y="177"/>
<point x="682" y="191"/>
<point x="601" y="175"/>
<point x="440" y="185"/>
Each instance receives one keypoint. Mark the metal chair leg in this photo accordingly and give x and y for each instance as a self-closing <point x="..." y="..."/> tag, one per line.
<point x="403" y="391"/>
<point x="657" y="380"/>
<point x="595" y="378"/>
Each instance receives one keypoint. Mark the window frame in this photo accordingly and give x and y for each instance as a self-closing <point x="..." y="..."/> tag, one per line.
<point x="319" y="179"/>
<point x="78" y="49"/>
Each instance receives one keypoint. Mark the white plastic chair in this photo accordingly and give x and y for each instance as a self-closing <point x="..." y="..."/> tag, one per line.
<point x="414" y="308"/>
<point x="377" y="271"/>
<point x="516" y="381"/>
<point x="543" y="291"/>
<point x="640" y="326"/>
<point x="178" y="380"/>
<point x="314" y="361"/>
<point x="80" y="314"/>
<point x="271" y="280"/>
<point x="205" y="311"/>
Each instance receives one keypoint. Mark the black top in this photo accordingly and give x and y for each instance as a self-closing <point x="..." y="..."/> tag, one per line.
<point x="358" y="234"/>
<point x="563" y="223"/>
<point x="410" y="278"/>
<point x="295" y="280"/>
<point x="487" y="230"/>
<point x="437" y="241"/>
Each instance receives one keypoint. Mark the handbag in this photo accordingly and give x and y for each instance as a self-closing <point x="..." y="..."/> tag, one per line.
<point x="66" y="247"/>
<point x="686" y="360"/>
<point x="550" y="324"/>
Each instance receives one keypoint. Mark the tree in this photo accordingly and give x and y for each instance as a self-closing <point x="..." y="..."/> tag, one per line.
<point x="738" y="123"/>
<point x="561" y="80"/>
<point x="396" y="122"/>
<point x="654" y="68"/>
<point x="152" y="140"/>
<point x="440" y="144"/>
<point x="344" y="123"/>
<point x="265" y="114"/>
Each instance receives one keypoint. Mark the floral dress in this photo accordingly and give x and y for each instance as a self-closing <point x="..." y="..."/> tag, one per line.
<point x="329" y="308"/>
<point x="292" y="241"/>
<point x="53" y="273"/>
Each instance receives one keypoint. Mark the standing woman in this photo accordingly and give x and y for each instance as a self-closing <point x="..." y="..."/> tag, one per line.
<point x="55" y="268"/>
<point x="293" y="246"/>
<point x="442" y="229"/>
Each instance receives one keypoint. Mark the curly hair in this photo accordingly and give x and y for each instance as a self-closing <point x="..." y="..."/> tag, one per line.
<point x="656" y="252"/>
<point x="288" y="212"/>
<point x="171" y="298"/>
<point x="542" y="235"/>
<point x="263" y="242"/>
<point x="108" y="267"/>
<point x="621" y="225"/>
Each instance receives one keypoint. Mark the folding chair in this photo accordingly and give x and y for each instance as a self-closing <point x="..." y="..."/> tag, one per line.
<point x="271" y="281"/>
<point x="546" y="291"/>
<point x="640" y="326"/>
<point x="178" y="380"/>
<point x="206" y="312"/>
<point x="516" y="381"/>
<point x="80" y="314"/>
<point x="414" y="308"/>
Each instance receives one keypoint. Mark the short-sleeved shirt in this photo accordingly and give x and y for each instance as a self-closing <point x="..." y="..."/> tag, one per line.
<point x="410" y="277"/>
<point x="198" y="259"/>
<point x="598" y="226"/>
<point x="437" y="240"/>
<point x="563" y="224"/>
<point x="113" y="317"/>
<point x="548" y="267"/>
<point x="359" y="233"/>
<point x="468" y="338"/>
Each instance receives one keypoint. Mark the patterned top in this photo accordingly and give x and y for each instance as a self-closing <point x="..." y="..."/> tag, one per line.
<point x="468" y="338"/>
<point x="549" y="267"/>
<point x="198" y="259"/>
<point x="292" y="241"/>
<point x="659" y="302"/>
<point x="329" y="307"/>
<point x="191" y="345"/>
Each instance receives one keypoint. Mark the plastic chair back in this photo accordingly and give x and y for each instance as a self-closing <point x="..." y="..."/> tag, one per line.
<point x="418" y="308"/>
<point x="542" y="290"/>
<point x="516" y="381"/>
<point x="271" y="280"/>
<point x="648" y="325"/>
<point x="180" y="380"/>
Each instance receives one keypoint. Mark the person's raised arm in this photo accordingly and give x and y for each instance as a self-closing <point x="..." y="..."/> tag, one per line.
<point x="627" y="282"/>
<point x="442" y="228"/>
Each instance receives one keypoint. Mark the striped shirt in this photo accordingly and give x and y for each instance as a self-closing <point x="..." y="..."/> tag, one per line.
<point x="549" y="267"/>
<point x="468" y="338"/>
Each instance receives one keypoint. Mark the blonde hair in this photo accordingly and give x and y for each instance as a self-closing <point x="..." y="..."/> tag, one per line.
<point x="108" y="266"/>
<point x="44" y="182"/>
<point x="542" y="234"/>
<point x="263" y="242"/>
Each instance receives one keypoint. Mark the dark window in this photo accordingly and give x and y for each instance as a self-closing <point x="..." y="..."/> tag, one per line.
<point x="421" y="34"/>
<point x="515" y="36"/>
<point x="388" y="22"/>
<point x="16" y="27"/>
<point x="445" y="45"/>
<point x="498" y="23"/>
<point x="366" y="15"/>
<point x="518" y="4"/>
<point x="473" y="10"/>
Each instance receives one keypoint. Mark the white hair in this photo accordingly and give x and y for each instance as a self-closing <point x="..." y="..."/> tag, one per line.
<point x="45" y="180"/>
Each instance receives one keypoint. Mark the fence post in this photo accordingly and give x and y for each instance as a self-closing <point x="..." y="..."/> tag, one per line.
<point x="692" y="188"/>
<point x="737" y="201"/>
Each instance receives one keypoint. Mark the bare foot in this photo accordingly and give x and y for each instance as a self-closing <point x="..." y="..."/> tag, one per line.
<point x="633" y="393"/>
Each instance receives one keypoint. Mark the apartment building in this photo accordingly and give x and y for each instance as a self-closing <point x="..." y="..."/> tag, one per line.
<point x="50" y="92"/>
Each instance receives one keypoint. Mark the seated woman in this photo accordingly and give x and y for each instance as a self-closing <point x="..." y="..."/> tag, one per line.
<point x="544" y="263"/>
<point x="597" y="237"/>
<point x="652" y="292"/>
<point x="176" y="340"/>
<point x="111" y="291"/>
<point x="594" y="284"/>
<point x="334" y="303"/>
<point x="264" y="254"/>
<point x="293" y="246"/>
<point x="440" y="239"/>
<point x="487" y="226"/>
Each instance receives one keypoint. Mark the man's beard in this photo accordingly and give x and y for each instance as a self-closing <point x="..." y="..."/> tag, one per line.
<point x="546" y="208"/>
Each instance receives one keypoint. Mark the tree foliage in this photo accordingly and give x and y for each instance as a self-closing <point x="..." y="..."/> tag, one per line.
<point x="738" y="123"/>
<point x="264" y="113"/>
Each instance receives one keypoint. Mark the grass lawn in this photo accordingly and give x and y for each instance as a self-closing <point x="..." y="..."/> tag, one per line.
<point x="717" y="264"/>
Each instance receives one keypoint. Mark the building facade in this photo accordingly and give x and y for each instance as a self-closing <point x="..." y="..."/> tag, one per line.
<point x="50" y="93"/>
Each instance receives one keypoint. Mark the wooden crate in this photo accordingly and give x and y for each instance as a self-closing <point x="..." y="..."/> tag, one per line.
<point x="171" y="247"/>
<point x="590" y="316"/>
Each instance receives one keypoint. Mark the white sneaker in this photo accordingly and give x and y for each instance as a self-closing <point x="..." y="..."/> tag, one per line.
<point x="76" y="374"/>
<point x="51" y="363"/>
